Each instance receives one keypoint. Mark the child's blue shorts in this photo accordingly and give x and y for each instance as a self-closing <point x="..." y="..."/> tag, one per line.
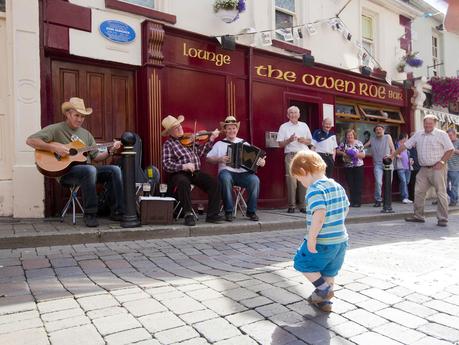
<point x="328" y="259"/>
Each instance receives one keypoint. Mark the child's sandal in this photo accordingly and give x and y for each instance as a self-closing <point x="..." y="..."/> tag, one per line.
<point x="325" y="306"/>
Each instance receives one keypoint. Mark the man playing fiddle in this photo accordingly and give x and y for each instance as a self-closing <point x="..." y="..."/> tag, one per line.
<point x="183" y="163"/>
<point x="54" y="137"/>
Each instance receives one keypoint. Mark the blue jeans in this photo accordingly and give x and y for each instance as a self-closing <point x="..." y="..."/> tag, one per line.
<point x="249" y="181"/>
<point x="378" y="173"/>
<point x="453" y="185"/>
<point x="88" y="175"/>
<point x="404" y="176"/>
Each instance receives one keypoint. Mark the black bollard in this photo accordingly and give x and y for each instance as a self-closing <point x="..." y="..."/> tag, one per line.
<point x="130" y="218"/>
<point x="387" y="193"/>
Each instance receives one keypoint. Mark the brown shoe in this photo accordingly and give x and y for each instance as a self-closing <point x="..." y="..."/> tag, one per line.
<point x="414" y="219"/>
<point x="442" y="222"/>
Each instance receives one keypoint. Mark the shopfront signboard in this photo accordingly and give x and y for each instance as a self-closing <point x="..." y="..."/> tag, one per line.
<point x="117" y="31"/>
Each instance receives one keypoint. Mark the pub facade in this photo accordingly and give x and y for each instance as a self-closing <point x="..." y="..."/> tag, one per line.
<point x="167" y="70"/>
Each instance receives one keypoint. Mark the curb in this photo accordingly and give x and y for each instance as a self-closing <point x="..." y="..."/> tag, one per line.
<point x="145" y="233"/>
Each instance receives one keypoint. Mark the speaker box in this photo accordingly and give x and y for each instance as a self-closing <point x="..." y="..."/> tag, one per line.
<point x="308" y="60"/>
<point x="228" y="42"/>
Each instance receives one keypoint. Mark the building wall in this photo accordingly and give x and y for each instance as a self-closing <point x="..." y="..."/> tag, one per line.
<point x="451" y="54"/>
<point x="448" y="47"/>
<point x="260" y="16"/>
<point x="21" y="185"/>
<point x="6" y="191"/>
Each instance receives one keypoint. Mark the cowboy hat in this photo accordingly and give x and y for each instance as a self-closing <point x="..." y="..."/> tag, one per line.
<point x="76" y="104"/>
<point x="170" y="122"/>
<point x="230" y="120"/>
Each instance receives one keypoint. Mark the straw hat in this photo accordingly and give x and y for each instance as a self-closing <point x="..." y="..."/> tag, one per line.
<point x="76" y="104"/>
<point x="230" y="120"/>
<point x="170" y="122"/>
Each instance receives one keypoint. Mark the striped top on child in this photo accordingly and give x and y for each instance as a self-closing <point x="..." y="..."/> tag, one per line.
<point x="327" y="194"/>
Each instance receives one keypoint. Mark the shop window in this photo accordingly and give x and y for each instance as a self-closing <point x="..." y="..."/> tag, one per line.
<point x="362" y="117"/>
<point x="2" y="5"/>
<point x="380" y="114"/>
<point x="347" y="111"/>
<point x="364" y="131"/>
<point x="285" y="17"/>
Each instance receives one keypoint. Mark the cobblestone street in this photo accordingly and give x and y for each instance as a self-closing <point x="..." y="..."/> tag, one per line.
<point x="399" y="285"/>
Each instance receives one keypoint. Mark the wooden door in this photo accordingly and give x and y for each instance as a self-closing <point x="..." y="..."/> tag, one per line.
<point x="110" y="92"/>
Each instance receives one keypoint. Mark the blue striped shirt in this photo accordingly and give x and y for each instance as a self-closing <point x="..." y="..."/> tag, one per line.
<point x="327" y="194"/>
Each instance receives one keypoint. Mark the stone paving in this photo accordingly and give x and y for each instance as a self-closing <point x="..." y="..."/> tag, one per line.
<point x="399" y="285"/>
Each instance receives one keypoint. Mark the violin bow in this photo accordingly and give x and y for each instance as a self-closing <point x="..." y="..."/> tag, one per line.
<point x="194" y="135"/>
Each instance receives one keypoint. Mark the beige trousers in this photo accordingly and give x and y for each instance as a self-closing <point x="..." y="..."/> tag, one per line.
<point x="293" y="186"/>
<point x="426" y="178"/>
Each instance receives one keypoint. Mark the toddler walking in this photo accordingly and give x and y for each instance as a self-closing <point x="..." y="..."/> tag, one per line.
<point x="321" y="255"/>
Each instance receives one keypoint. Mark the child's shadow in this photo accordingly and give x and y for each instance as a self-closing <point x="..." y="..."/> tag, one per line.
<point x="312" y="330"/>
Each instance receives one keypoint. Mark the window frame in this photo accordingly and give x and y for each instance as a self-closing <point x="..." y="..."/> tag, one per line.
<point x="287" y="12"/>
<point x="370" y="41"/>
<point x="155" y="5"/>
<point x="435" y="55"/>
<point x="140" y="10"/>
<point x="362" y="116"/>
<point x="347" y="116"/>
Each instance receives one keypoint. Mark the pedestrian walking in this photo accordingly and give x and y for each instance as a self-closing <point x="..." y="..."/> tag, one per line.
<point x="321" y="255"/>
<point x="453" y="169"/>
<point x="414" y="162"/>
<point x="434" y="149"/>
<point x="403" y="167"/>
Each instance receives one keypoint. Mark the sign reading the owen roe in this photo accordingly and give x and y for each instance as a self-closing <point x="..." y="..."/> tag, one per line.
<point x="328" y="81"/>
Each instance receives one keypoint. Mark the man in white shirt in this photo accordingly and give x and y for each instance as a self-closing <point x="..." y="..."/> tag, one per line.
<point x="229" y="177"/>
<point x="324" y="141"/>
<point x="294" y="136"/>
<point x="434" y="149"/>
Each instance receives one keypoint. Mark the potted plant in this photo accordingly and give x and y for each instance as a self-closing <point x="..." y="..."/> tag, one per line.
<point x="229" y="10"/>
<point x="444" y="90"/>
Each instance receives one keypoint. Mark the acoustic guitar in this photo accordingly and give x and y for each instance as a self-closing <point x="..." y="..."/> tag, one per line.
<point x="53" y="165"/>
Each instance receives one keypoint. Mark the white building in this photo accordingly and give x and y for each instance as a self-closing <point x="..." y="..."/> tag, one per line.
<point x="338" y="33"/>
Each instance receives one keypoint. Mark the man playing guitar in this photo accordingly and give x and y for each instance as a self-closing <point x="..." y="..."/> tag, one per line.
<point x="54" y="138"/>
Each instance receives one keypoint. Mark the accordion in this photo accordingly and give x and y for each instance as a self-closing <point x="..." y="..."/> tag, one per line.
<point x="244" y="156"/>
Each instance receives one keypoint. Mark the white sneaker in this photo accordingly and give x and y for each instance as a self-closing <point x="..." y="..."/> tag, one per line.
<point x="407" y="201"/>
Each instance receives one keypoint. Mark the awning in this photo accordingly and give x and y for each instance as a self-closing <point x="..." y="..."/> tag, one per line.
<point x="442" y="116"/>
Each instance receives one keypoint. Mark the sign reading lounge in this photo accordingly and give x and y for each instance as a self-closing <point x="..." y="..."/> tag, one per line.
<point x="218" y="59"/>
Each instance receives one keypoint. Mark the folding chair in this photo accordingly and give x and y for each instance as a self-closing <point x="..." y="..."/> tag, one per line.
<point x="73" y="200"/>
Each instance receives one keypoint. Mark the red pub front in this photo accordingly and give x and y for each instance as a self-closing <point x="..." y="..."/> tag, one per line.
<point x="188" y="74"/>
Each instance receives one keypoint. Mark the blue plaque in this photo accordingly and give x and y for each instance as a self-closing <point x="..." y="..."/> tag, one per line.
<point x="117" y="31"/>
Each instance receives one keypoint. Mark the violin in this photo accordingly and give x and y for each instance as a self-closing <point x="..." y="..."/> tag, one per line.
<point x="187" y="139"/>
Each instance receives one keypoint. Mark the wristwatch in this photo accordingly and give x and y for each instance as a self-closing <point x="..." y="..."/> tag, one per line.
<point x="442" y="162"/>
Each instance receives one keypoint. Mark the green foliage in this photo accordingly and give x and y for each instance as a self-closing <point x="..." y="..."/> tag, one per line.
<point x="225" y="5"/>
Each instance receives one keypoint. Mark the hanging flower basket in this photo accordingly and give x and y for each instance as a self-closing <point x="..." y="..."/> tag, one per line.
<point x="229" y="10"/>
<point x="409" y="60"/>
<point x="444" y="90"/>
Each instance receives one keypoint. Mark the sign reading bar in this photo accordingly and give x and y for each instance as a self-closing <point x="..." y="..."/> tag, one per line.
<point x="336" y="82"/>
<point x="117" y="31"/>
